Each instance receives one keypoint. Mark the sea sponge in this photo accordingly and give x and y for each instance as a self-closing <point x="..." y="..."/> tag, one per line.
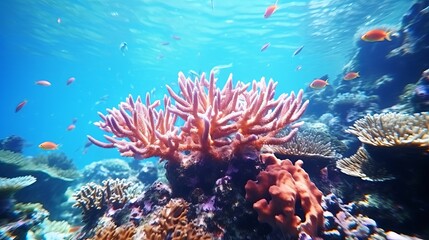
<point x="282" y="190"/>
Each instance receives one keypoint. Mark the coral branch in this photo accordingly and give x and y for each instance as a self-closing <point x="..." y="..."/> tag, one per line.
<point x="216" y="122"/>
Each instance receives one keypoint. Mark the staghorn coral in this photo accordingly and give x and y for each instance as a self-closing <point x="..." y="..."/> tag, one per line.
<point x="364" y="166"/>
<point x="216" y="122"/>
<point x="173" y="223"/>
<point x="393" y="129"/>
<point x="277" y="193"/>
<point x="94" y="199"/>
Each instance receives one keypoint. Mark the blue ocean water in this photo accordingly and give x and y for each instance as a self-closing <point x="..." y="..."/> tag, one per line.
<point x="54" y="40"/>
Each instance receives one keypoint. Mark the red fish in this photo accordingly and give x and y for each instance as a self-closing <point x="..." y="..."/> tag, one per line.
<point x="376" y="35"/>
<point x="319" y="84"/>
<point x="71" y="127"/>
<point x="20" y="105"/>
<point x="48" y="146"/>
<point x="70" y="80"/>
<point x="43" y="83"/>
<point x="351" y="76"/>
<point x="265" y="46"/>
<point x="270" y="10"/>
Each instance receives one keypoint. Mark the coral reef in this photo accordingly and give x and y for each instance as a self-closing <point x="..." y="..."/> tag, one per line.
<point x="393" y="129"/>
<point x="307" y="145"/>
<point x="216" y="122"/>
<point x="172" y="222"/>
<point x="58" y="180"/>
<point x="12" y="143"/>
<point x="8" y="187"/>
<point x="28" y="217"/>
<point x="278" y="190"/>
<point x="94" y="199"/>
<point x="16" y="162"/>
<point x="99" y="171"/>
<point x="56" y="161"/>
<point x="395" y="151"/>
<point x="110" y="231"/>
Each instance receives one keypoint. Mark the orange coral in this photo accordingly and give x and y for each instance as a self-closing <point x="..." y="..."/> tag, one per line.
<point x="111" y="231"/>
<point x="276" y="193"/>
<point x="173" y="223"/>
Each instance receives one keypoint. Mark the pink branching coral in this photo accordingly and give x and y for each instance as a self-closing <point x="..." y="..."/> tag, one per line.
<point x="217" y="122"/>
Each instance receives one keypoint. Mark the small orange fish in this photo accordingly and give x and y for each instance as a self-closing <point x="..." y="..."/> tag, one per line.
<point x="351" y="76"/>
<point x="48" y="146"/>
<point x="270" y="10"/>
<point x="43" y="83"/>
<point x="376" y="35"/>
<point x="74" y="229"/>
<point x="20" y="105"/>
<point x="319" y="84"/>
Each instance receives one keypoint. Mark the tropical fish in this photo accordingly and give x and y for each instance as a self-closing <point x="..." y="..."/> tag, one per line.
<point x="265" y="46"/>
<point x="297" y="51"/>
<point x="194" y="74"/>
<point x="20" y="105"/>
<point x="298" y="68"/>
<point x="71" y="127"/>
<point x="70" y="80"/>
<point x="351" y="75"/>
<point x="102" y="99"/>
<point x="123" y="47"/>
<point x="319" y="83"/>
<point x="43" y="83"/>
<point x="175" y="37"/>
<point x="217" y="68"/>
<point x="74" y="229"/>
<point x="48" y="146"/>
<point x="376" y="35"/>
<point x="270" y="10"/>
